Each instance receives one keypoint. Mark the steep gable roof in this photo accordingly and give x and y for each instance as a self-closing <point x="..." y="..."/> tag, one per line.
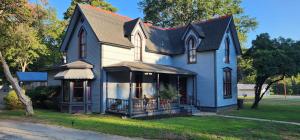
<point x="111" y="28"/>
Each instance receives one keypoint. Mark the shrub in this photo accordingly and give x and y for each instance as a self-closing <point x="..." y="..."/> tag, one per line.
<point x="12" y="101"/>
<point x="45" y="97"/>
<point x="168" y="92"/>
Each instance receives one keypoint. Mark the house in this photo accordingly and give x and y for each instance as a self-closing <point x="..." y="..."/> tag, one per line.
<point x="248" y="90"/>
<point x="118" y="64"/>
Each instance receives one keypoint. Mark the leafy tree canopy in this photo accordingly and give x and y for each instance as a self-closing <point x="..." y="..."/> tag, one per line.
<point x="97" y="3"/>
<point x="169" y="13"/>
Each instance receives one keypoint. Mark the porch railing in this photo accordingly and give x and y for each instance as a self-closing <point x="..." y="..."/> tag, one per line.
<point x="117" y="105"/>
<point x="139" y="105"/>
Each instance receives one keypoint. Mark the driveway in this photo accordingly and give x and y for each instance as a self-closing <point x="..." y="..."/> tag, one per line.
<point x="16" y="130"/>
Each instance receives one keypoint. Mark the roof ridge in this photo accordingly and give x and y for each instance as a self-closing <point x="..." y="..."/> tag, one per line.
<point x="107" y="12"/>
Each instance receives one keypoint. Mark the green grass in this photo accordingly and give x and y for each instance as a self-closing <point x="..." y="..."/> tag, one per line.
<point x="169" y="128"/>
<point x="275" y="108"/>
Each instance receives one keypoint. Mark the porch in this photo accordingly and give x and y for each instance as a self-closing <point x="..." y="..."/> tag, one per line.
<point x="142" y="89"/>
<point x="76" y="87"/>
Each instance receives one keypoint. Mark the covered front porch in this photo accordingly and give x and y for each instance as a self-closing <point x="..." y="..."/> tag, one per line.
<point x="142" y="89"/>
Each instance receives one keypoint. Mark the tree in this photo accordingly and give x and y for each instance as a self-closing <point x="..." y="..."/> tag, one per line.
<point x="169" y="13"/>
<point x="272" y="60"/>
<point x="26" y="47"/>
<point x="13" y="13"/>
<point x="97" y="3"/>
<point x="50" y="31"/>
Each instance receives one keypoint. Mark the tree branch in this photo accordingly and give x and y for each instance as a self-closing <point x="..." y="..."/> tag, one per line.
<point x="269" y="85"/>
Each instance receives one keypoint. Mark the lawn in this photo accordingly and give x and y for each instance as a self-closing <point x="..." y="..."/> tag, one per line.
<point x="169" y="128"/>
<point x="272" y="107"/>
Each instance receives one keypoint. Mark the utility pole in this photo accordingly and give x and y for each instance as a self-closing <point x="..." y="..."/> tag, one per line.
<point x="284" y="83"/>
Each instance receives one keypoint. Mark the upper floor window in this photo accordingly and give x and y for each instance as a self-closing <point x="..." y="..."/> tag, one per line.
<point x="227" y="90"/>
<point x="192" y="55"/>
<point x="82" y="44"/>
<point x="227" y="49"/>
<point x="138" y="54"/>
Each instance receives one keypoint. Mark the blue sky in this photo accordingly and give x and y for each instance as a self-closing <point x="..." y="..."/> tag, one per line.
<point x="276" y="17"/>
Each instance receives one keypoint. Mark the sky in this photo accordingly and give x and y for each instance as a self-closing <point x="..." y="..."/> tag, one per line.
<point x="276" y="17"/>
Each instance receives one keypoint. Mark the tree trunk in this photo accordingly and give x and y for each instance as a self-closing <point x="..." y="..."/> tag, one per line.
<point x="257" y="96"/>
<point x="21" y="95"/>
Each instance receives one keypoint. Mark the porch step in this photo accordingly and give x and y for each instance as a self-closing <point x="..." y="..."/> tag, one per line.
<point x="191" y="109"/>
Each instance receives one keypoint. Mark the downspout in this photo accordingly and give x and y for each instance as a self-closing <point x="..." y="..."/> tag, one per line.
<point x="101" y="79"/>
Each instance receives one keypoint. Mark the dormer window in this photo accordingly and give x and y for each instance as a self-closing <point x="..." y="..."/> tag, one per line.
<point x="192" y="55"/>
<point x="82" y="44"/>
<point x="138" y="47"/>
<point x="227" y="49"/>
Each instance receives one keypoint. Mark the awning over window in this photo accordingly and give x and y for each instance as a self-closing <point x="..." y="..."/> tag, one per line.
<point x="76" y="70"/>
<point x="146" y="67"/>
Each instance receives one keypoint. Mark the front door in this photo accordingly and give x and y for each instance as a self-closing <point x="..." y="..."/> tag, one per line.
<point x="182" y="90"/>
<point x="138" y="85"/>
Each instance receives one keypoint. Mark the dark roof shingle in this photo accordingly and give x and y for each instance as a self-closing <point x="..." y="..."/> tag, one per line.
<point x="114" y="29"/>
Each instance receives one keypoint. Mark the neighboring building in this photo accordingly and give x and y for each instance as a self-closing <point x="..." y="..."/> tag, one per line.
<point x="32" y="79"/>
<point x="248" y="90"/>
<point x="118" y="64"/>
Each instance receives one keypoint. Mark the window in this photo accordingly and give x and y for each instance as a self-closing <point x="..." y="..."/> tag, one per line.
<point x="192" y="55"/>
<point x="138" y="47"/>
<point x="82" y="44"/>
<point x="227" y="90"/>
<point x="78" y="91"/>
<point x="227" y="49"/>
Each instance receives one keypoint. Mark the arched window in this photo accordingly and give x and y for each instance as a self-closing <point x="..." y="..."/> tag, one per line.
<point x="227" y="49"/>
<point x="138" y="55"/>
<point x="82" y="44"/>
<point x="227" y="86"/>
<point x="192" y="55"/>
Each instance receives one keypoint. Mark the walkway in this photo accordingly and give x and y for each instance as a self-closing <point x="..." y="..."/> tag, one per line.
<point x="16" y="130"/>
<point x="244" y="118"/>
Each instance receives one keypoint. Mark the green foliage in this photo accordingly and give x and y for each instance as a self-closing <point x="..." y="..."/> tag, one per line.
<point x="12" y="101"/>
<point x="45" y="97"/>
<point x="169" y="13"/>
<point x="273" y="57"/>
<point x="26" y="47"/>
<point x="168" y="92"/>
<point x="97" y="3"/>
<point x="292" y="86"/>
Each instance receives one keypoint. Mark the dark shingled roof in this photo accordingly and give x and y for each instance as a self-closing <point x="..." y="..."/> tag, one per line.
<point x="147" y="67"/>
<point x="115" y="29"/>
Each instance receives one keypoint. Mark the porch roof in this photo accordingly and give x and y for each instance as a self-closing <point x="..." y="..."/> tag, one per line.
<point x="76" y="70"/>
<point x="147" y="67"/>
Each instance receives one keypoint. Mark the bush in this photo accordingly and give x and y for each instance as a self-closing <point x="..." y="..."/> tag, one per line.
<point x="168" y="92"/>
<point x="45" y="97"/>
<point x="12" y="101"/>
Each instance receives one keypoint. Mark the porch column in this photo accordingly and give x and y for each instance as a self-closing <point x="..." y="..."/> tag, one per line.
<point x="195" y="92"/>
<point x="85" y="96"/>
<point x="71" y="84"/>
<point x="62" y="94"/>
<point x="130" y="95"/>
<point x="157" y="91"/>
<point x="178" y="94"/>
<point x="193" y="100"/>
